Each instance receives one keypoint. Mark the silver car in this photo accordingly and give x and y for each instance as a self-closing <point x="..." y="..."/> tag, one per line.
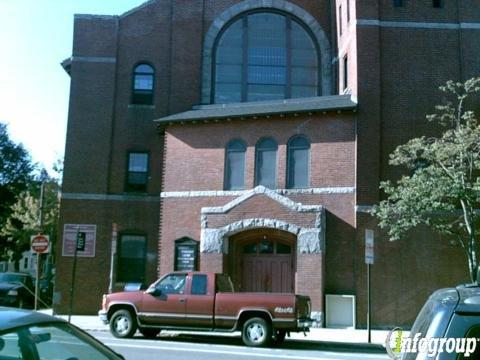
<point x="31" y="335"/>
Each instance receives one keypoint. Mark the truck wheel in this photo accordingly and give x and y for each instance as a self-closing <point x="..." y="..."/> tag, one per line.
<point x="149" y="333"/>
<point x="122" y="324"/>
<point x="256" y="332"/>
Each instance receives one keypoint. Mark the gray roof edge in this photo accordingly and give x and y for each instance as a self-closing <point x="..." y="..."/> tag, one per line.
<point x="113" y="17"/>
<point x="137" y="8"/>
<point x="207" y="112"/>
<point x="94" y="17"/>
<point x="66" y="64"/>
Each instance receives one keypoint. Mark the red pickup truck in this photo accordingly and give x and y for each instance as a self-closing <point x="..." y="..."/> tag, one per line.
<point x="205" y="301"/>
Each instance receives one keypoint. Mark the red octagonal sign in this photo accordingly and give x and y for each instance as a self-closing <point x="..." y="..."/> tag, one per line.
<point x="40" y="243"/>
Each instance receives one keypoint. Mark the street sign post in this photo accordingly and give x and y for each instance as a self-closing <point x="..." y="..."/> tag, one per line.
<point x="369" y="260"/>
<point x="369" y="246"/>
<point x="39" y="244"/>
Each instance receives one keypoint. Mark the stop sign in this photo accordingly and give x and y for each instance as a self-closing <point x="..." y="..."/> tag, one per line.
<point x="40" y="243"/>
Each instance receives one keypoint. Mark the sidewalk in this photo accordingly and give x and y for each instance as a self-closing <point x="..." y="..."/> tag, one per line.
<point x="334" y="339"/>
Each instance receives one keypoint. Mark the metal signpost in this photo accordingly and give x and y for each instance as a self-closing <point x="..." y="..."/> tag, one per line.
<point x="79" y="246"/>
<point x="369" y="259"/>
<point x="112" y="258"/>
<point x="40" y="245"/>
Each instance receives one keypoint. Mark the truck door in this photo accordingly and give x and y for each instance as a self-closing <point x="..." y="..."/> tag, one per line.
<point x="166" y="305"/>
<point x="200" y="301"/>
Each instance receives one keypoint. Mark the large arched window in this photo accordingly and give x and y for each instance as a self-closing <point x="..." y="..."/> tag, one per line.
<point x="142" y="92"/>
<point x="265" y="56"/>
<point x="298" y="162"/>
<point x="266" y="163"/>
<point x="235" y="165"/>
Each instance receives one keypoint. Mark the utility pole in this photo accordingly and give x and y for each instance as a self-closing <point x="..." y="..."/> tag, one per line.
<point x="39" y="255"/>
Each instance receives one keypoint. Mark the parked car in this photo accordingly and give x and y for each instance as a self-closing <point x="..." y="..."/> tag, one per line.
<point x="451" y="313"/>
<point x="205" y="301"/>
<point x="26" y="334"/>
<point x="16" y="290"/>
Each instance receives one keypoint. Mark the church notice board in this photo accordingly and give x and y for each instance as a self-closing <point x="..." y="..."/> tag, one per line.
<point x="186" y="255"/>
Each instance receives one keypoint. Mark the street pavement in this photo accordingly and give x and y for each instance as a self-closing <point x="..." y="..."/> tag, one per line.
<point x="186" y="347"/>
<point x="354" y="340"/>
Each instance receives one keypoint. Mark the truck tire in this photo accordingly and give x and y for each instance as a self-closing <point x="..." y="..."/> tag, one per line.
<point x="256" y="332"/>
<point x="123" y="324"/>
<point x="149" y="333"/>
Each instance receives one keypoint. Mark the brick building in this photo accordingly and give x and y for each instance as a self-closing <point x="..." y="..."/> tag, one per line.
<point x="250" y="137"/>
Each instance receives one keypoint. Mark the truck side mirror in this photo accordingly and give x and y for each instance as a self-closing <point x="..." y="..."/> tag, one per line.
<point x="152" y="290"/>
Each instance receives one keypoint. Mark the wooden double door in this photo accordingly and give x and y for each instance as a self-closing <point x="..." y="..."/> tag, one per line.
<point x="268" y="266"/>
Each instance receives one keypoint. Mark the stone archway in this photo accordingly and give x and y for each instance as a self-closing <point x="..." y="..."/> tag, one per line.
<point x="262" y="209"/>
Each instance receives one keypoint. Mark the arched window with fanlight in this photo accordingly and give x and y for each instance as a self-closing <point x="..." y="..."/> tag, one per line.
<point x="265" y="56"/>
<point x="235" y="165"/>
<point x="298" y="162"/>
<point x="143" y="82"/>
<point x="266" y="163"/>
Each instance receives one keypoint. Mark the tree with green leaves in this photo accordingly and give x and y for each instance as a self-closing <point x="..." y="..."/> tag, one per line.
<point x="442" y="189"/>
<point x="24" y="221"/>
<point x="16" y="174"/>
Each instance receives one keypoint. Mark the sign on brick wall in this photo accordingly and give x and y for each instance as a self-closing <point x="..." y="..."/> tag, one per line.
<point x="369" y="247"/>
<point x="70" y="232"/>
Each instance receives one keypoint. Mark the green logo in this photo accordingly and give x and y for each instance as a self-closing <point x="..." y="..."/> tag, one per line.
<point x="393" y="343"/>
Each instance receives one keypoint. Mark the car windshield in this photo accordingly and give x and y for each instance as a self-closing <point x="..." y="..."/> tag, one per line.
<point x="51" y="341"/>
<point x="12" y="278"/>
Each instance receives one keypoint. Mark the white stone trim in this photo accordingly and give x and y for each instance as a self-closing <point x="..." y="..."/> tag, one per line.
<point x="318" y="191"/>
<point x="364" y="208"/>
<point x="218" y="193"/>
<point x="267" y="192"/>
<point x="309" y="240"/>
<point x="417" y="25"/>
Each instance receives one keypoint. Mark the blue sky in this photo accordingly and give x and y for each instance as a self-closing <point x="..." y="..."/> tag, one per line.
<point x="35" y="36"/>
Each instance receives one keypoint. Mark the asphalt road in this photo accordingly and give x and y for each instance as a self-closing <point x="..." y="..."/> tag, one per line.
<point x="201" y="347"/>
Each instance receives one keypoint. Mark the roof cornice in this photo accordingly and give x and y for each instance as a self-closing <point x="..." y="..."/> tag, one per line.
<point x="262" y="108"/>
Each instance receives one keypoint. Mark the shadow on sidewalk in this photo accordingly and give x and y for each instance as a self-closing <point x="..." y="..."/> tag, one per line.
<point x="309" y="345"/>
